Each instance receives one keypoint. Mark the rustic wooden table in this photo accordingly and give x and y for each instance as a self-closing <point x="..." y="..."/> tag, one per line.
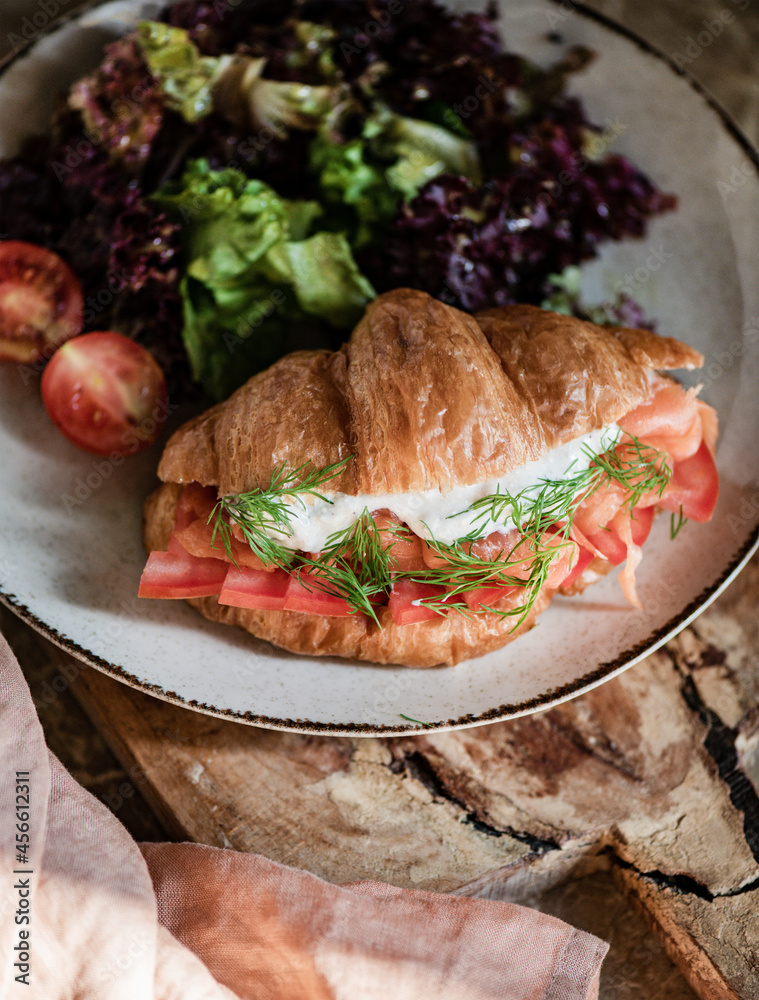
<point x="633" y="807"/>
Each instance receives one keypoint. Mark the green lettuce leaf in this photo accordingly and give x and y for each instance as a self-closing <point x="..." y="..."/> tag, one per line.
<point x="194" y="84"/>
<point x="185" y="76"/>
<point x="422" y="151"/>
<point x="258" y="281"/>
<point x="388" y="163"/>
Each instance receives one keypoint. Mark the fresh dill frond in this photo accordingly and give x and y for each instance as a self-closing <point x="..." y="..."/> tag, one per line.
<point x="543" y="514"/>
<point x="637" y="467"/>
<point x="262" y="512"/>
<point x="354" y="565"/>
<point x="676" y="525"/>
<point x="426" y="725"/>
<point x="464" y="572"/>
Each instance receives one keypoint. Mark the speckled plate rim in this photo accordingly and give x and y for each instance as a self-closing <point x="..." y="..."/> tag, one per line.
<point x="550" y="698"/>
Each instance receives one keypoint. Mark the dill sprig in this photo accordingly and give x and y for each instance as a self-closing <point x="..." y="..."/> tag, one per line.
<point x="543" y="514"/>
<point x="676" y="522"/>
<point x="637" y="467"/>
<point x="426" y="725"/>
<point x="261" y="511"/>
<point x="464" y="572"/>
<point x="354" y="565"/>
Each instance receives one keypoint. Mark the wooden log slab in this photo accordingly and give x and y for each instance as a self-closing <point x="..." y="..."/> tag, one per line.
<point x="653" y="775"/>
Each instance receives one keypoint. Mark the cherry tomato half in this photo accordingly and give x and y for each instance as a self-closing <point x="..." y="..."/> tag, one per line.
<point x="41" y="303"/>
<point x="106" y="393"/>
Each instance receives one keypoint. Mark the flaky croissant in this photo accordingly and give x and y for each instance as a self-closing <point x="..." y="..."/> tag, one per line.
<point x="423" y="397"/>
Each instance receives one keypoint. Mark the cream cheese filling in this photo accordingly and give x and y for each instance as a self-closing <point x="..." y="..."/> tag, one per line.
<point x="432" y="513"/>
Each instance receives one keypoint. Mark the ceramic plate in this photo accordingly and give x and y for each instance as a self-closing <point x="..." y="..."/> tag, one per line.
<point x="70" y="548"/>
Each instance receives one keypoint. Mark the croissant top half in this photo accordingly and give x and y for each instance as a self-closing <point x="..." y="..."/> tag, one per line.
<point x="424" y="397"/>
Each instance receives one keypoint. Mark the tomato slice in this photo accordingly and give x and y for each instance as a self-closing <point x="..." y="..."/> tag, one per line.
<point x="486" y="597"/>
<point x="41" y="302"/>
<point x="583" y="558"/>
<point x="194" y="533"/>
<point x="176" y="574"/>
<point x="609" y="541"/>
<point x="106" y="394"/>
<point x="404" y="598"/>
<point x="305" y="593"/>
<point x="694" y="486"/>
<point x="255" y="588"/>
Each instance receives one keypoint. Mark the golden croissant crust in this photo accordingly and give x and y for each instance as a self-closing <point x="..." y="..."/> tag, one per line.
<point x="424" y="397"/>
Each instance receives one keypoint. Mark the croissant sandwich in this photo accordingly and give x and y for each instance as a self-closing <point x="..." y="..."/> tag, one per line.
<point x="420" y="495"/>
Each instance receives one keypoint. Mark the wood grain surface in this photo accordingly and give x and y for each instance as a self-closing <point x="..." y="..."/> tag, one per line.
<point x="652" y="777"/>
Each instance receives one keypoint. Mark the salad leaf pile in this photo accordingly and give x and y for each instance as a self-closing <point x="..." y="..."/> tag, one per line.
<point x="236" y="181"/>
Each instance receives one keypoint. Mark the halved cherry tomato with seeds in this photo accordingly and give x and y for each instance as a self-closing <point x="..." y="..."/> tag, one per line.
<point x="41" y="302"/>
<point x="105" y="393"/>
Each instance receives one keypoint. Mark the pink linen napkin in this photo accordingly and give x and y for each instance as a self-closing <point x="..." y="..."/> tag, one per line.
<point x="86" y="913"/>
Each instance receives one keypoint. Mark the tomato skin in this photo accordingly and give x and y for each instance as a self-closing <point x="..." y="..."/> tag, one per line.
<point x="583" y="559"/>
<point x="304" y="594"/>
<point x="486" y="597"/>
<point x="41" y="302"/>
<point x="402" y="598"/>
<point x="255" y="588"/>
<point x="195" y="532"/>
<point x="106" y="394"/>
<point x="694" y="486"/>
<point x="608" y="540"/>
<point x="177" y="574"/>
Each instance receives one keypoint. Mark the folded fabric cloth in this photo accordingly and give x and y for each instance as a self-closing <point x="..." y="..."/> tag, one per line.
<point x="85" y="912"/>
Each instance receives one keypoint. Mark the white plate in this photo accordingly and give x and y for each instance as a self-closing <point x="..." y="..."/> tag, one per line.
<point x="70" y="549"/>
